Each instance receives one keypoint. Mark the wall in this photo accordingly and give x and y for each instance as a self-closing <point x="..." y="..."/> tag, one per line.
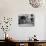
<point x="45" y="28"/>
<point x="12" y="8"/>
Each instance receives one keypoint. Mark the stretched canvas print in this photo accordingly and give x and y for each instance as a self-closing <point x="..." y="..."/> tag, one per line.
<point x="26" y="20"/>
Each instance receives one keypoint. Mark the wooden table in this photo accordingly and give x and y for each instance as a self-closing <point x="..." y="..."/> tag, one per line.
<point x="31" y="43"/>
<point x="28" y="43"/>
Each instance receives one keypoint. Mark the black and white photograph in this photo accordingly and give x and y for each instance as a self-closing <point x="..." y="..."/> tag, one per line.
<point x="26" y="20"/>
<point x="36" y="3"/>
